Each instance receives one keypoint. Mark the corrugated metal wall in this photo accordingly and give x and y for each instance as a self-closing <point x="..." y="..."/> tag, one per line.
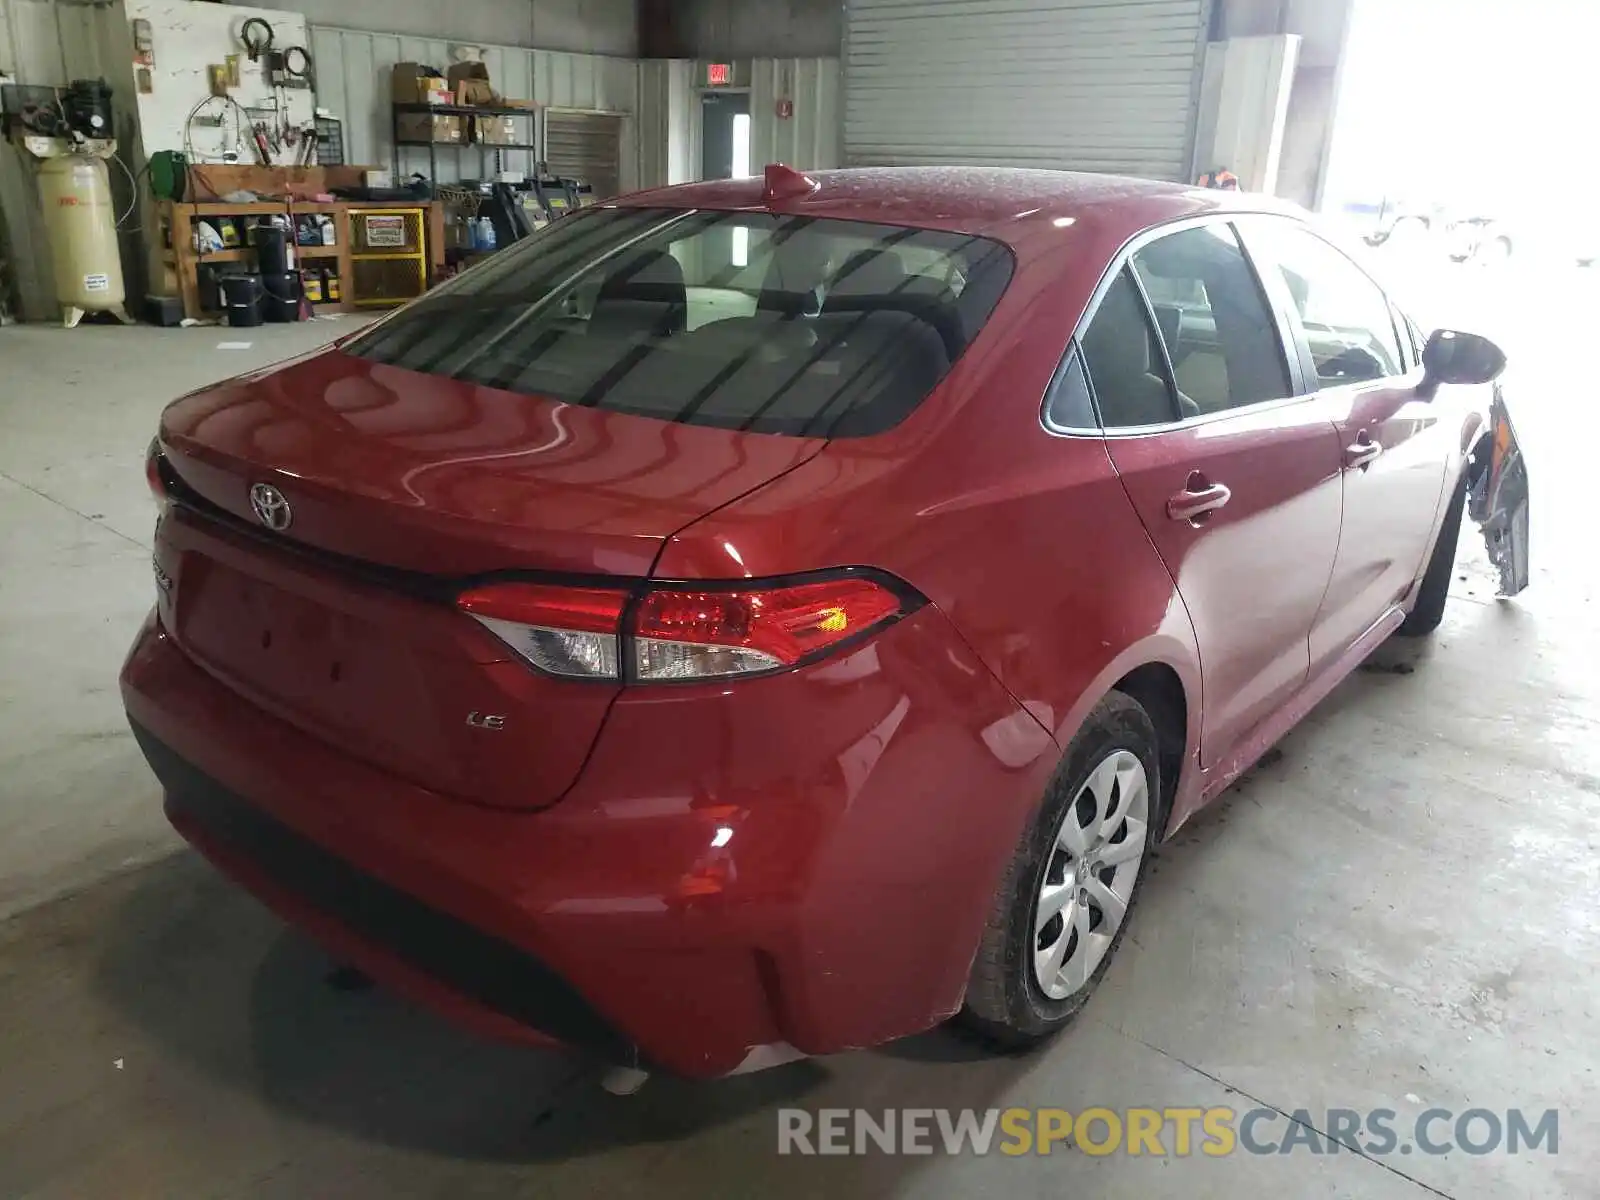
<point x="809" y="139"/>
<point x="660" y="160"/>
<point x="1096" y="85"/>
<point x="48" y="43"/>
<point x="576" y="26"/>
<point x="353" y="69"/>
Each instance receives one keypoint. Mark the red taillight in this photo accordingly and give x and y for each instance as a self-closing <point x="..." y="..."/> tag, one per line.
<point x="570" y="632"/>
<point x="679" y="634"/>
<point x="152" y="472"/>
<point x="586" y="610"/>
<point x="692" y="635"/>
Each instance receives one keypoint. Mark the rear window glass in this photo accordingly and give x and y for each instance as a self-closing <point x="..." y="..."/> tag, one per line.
<point x="774" y="324"/>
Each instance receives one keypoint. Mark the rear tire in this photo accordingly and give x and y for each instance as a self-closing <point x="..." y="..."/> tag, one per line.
<point x="1434" y="591"/>
<point x="1007" y="1005"/>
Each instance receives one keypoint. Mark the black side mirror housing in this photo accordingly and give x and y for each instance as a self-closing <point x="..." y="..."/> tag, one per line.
<point x="1461" y="358"/>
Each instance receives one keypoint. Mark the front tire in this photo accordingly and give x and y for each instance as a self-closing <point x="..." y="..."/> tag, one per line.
<point x="1064" y="904"/>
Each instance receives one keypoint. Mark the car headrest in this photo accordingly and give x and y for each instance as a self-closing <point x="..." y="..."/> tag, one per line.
<point x="868" y="273"/>
<point x="1117" y="342"/>
<point x="651" y="280"/>
<point x="793" y="285"/>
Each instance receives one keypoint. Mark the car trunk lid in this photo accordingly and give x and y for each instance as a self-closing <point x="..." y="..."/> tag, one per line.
<point x="402" y="488"/>
<point x="435" y="475"/>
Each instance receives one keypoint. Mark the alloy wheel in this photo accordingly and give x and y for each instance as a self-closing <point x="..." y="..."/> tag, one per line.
<point x="1088" y="882"/>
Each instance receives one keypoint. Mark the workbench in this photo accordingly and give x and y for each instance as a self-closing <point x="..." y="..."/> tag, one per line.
<point x="179" y="217"/>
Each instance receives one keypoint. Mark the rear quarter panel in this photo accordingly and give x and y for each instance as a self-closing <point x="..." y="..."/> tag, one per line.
<point x="1024" y="539"/>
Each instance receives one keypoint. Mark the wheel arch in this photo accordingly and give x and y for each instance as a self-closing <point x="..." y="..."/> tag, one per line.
<point x="1159" y="690"/>
<point x="1161" y="672"/>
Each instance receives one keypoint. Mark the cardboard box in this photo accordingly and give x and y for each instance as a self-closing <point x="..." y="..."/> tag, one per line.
<point x="477" y="92"/>
<point x="423" y="127"/>
<point x="521" y="105"/>
<point x="438" y="96"/>
<point x="468" y="70"/>
<point x="411" y="82"/>
<point x="496" y="131"/>
<point x="470" y="80"/>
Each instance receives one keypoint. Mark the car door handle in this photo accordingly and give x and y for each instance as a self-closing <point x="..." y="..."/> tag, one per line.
<point x="1199" y="500"/>
<point x="1363" y="453"/>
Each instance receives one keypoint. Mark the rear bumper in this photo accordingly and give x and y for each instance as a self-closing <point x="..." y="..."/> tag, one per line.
<point x="386" y="927"/>
<point x="723" y="878"/>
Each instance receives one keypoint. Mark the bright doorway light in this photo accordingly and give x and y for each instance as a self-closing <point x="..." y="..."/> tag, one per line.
<point x="741" y="145"/>
<point x="741" y="169"/>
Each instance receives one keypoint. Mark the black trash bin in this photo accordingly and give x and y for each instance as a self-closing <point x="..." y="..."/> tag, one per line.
<point x="241" y="299"/>
<point x="282" y="300"/>
<point x="272" y="248"/>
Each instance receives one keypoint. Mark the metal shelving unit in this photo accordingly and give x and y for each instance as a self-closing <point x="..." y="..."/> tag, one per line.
<point x="471" y="114"/>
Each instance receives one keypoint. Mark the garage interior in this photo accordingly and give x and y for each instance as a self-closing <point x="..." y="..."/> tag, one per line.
<point x="1396" y="909"/>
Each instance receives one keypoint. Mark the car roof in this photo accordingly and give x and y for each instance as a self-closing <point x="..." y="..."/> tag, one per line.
<point x="1007" y="203"/>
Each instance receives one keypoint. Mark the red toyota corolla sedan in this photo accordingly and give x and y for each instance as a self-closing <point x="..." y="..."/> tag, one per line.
<point x="768" y="617"/>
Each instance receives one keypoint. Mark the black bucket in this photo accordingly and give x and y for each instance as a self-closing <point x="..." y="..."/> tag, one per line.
<point x="241" y="299"/>
<point x="272" y="248"/>
<point x="282" y="301"/>
<point x="208" y="282"/>
<point x="280" y="311"/>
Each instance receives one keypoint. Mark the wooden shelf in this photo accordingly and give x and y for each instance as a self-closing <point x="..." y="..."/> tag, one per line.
<point x="181" y="218"/>
<point x="241" y="255"/>
<point x="474" y="144"/>
<point x="221" y="208"/>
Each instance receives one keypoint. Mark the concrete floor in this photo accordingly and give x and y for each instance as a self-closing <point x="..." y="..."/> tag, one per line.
<point x="1402" y="911"/>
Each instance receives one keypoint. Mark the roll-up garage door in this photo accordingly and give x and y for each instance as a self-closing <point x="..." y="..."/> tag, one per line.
<point x="585" y="146"/>
<point x="1089" y="85"/>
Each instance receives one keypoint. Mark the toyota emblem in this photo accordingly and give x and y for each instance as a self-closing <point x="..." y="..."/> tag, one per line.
<point x="271" y="508"/>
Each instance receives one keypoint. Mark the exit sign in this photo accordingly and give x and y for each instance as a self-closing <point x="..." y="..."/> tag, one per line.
<point x="719" y="74"/>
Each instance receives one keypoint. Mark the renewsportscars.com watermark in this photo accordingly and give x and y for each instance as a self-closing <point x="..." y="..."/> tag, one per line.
<point x="1164" y="1132"/>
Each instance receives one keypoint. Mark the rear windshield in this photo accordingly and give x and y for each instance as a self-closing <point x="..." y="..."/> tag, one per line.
<point x="775" y="324"/>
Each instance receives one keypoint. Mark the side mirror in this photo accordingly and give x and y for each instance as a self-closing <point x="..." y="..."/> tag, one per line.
<point x="1461" y="358"/>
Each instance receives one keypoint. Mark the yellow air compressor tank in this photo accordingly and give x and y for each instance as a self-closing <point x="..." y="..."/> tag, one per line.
<point x="80" y="222"/>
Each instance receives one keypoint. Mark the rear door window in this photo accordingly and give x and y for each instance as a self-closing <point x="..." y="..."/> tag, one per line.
<point x="1124" y="361"/>
<point x="755" y="321"/>
<point x="1214" y="320"/>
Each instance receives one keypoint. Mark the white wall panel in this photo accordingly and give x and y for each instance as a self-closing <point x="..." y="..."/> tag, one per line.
<point x="1244" y="107"/>
<point x="186" y="39"/>
<point x="353" y="73"/>
<point x="1098" y="85"/>
<point x="659" y="122"/>
<point x="809" y="139"/>
<point x="577" y="26"/>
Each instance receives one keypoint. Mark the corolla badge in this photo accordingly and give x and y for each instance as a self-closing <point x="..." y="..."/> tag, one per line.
<point x="271" y="508"/>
